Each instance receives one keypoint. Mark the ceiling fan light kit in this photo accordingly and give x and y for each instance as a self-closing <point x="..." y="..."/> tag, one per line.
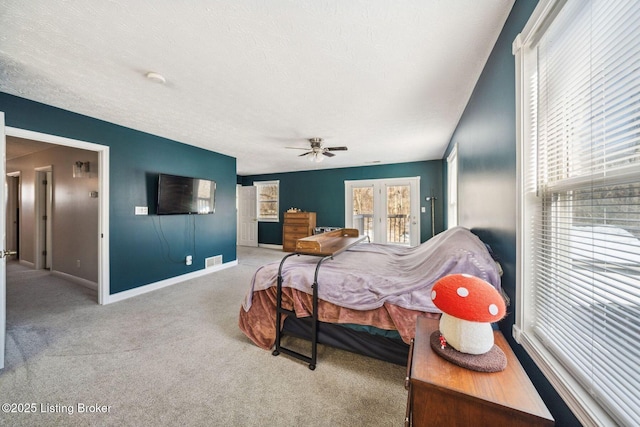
<point x="316" y="157"/>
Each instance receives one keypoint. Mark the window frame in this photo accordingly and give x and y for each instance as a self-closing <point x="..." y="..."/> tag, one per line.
<point x="578" y="399"/>
<point x="452" y="188"/>
<point x="259" y="217"/>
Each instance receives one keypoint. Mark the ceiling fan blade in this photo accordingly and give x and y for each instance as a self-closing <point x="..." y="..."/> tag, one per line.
<point x="296" y="148"/>
<point x="328" y="154"/>
<point x="336" y="148"/>
<point x="304" y="154"/>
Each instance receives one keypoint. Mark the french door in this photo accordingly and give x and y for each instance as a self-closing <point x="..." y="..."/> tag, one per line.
<point x="386" y="210"/>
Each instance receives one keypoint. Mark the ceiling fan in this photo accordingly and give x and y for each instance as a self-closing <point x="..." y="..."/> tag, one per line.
<point x="318" y="151"/>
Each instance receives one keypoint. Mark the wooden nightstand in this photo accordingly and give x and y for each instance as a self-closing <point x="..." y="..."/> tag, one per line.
<point x="444" y="394"/>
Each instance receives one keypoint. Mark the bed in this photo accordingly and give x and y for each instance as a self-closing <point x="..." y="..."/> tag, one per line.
<point x="369" y="296"/>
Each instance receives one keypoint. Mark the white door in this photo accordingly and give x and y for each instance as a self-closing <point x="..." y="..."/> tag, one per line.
<point x="3" y="264"/>
<point x="247" y="216"/>
<point x="386" y="210"/>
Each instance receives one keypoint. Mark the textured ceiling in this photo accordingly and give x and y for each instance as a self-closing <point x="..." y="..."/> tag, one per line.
<point x="248" y="78"/>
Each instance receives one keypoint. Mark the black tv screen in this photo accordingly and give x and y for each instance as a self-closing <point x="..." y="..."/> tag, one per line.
<point x="184" y="195"/>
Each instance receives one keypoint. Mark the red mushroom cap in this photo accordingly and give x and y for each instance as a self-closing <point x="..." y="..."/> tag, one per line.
<point x="469" y="298"/>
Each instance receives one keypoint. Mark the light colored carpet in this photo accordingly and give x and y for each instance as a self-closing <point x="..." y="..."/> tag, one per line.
<point x="175" y="357"/>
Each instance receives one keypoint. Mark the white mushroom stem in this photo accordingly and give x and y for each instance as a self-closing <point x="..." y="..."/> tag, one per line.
<point x="465" y="336"/>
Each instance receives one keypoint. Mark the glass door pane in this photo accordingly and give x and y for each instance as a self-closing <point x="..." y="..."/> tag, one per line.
<point x="398" y="214"/>
<point x="386" y="210"/>
<point x="363" y="210"/>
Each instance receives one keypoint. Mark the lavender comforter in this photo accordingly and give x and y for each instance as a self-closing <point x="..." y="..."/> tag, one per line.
<point x="368" y="275"/>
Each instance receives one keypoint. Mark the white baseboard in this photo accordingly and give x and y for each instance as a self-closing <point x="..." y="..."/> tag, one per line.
<point x="27" y="263"/>
<point x="269" y="246"/>
<point x="78" y="280"/>
<point x="120" y="296"/>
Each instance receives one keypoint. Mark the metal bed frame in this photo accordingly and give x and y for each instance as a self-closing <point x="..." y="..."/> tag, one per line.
<point x="325" y="246"/>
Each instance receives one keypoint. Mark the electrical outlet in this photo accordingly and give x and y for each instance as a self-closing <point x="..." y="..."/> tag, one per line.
<point x="189" y="259"/>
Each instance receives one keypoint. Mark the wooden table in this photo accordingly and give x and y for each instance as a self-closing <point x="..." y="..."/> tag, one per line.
<point x="330" y="243"/>
<point x="444" y="394"/>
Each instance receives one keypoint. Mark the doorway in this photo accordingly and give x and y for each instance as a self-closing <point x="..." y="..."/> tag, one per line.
<point x="386" y="210"/>
<point x="103" y="213"/>
<point x="44" y="237"/>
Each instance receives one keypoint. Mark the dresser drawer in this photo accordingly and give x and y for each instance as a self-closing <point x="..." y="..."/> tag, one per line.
<point x="297" y="218"/>
<point x="297" y="229"/>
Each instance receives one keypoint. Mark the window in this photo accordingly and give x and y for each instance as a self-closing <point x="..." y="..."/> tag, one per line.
<point x="452" y="188"/>
<point x="268" y="195"/>
<point x="578" y="289"/>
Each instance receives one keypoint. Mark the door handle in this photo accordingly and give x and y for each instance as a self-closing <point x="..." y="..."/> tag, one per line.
<point x="5" y="253"/>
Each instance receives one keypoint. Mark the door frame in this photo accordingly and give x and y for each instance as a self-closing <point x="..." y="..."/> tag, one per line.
<point x="43" y="208"/>
<point x="13" y="204"/>
<point x="380" y="203"/>
<point x="103" y="192"/>
<point x="3" y="247"/>
<point x="452" y="188"/>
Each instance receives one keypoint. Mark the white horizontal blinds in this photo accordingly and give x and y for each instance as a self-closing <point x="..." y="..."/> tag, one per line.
<point x="586" y="231"/>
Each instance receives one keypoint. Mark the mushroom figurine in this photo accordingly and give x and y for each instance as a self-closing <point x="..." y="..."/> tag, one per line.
<point x="469" y="305"/>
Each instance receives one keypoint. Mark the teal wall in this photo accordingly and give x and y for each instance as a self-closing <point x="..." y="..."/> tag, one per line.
<point x="322" y="191"/>
<point x="145" y="249"/>
<point x="486" y="138"/>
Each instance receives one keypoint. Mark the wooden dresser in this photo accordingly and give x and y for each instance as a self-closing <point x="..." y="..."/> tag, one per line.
<point x="296" y="226"/>
<point x="444" y="394"/>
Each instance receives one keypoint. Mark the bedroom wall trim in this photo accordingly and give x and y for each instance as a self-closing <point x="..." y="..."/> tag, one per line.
<point x="270" y="246"/>
<point x="75" y="279"/>
<point x="26" y="263"/>
<point x="121" y="296"/>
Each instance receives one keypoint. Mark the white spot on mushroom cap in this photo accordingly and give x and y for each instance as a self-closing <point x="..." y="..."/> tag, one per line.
<point x="433" y="295"/>
<point x="493" y="309"/>
<point x="462" y="291"/>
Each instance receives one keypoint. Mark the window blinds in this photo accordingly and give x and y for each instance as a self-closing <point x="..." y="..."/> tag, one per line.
<point x="586" y="177"/>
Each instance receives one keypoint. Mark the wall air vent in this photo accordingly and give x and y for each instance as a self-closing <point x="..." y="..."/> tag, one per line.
<point x="213" y="261"/>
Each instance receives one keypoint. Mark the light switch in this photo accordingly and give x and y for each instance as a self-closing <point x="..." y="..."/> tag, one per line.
<point x="142" y="210"/>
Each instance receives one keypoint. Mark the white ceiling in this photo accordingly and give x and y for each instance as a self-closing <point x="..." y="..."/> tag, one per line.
<point x="248" y="78"/>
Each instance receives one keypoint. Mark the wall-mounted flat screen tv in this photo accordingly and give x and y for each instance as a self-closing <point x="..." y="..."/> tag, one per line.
<point x="184" y="195"/>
